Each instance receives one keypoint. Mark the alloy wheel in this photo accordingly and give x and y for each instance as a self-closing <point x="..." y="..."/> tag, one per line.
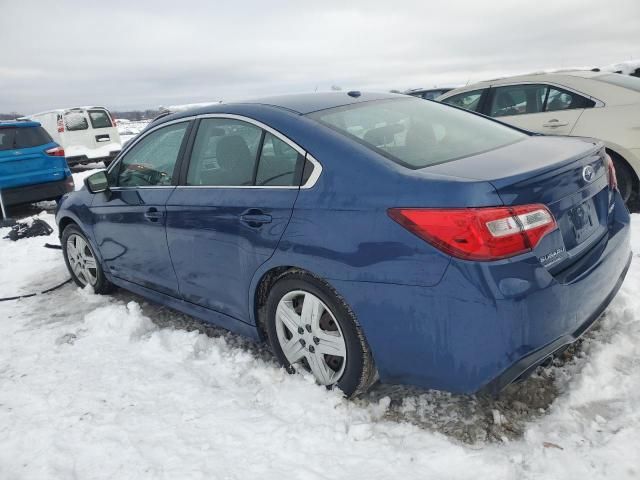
<point x="81" y="259"/>
<point x="310" y="336"/>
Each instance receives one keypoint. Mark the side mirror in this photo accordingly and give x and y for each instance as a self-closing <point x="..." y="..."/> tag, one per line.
<point x="98" y="182"/>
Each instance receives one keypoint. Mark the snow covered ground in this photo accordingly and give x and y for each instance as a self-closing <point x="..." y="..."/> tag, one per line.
<point x="95" y="387"/>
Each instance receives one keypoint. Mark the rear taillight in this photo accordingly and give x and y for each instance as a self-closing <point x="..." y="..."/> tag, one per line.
<point x="60" y="124"/>
<point x="479" y="233"/>
<point x="55" y="152"/>
<point x="611" y="172"/>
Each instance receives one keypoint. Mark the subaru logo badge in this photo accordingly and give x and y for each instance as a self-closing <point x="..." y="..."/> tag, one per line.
<point x="588" y="173"/>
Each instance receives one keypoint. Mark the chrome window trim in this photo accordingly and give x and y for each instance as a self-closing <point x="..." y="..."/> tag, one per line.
<point x="310" y="183"/>
<point x="258" y="124"/>
<point x="315" y="174"/>
<point x="145" y="187"/>
<point x="599" y="103"/>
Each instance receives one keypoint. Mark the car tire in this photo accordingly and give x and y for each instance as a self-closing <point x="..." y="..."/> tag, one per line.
<point x="322" y="321"/>
<point x="81" y="261"/>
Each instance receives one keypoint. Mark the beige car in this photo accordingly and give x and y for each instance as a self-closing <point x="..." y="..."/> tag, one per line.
<point x="577" y="103"/>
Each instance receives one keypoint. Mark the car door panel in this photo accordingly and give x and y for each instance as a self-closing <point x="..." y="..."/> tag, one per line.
<point x="130" y="217"/>
<point x="130" y="232"/>
<point x="240" y="186"/>
<point x="549" y="123"/>
<point x="218" y="238"/>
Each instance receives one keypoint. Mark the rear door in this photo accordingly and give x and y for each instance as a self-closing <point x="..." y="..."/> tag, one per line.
<point x="104" y="129"/>
<point x="76" y="136"/>
<point x="538" y="108"/>
<point x="130" y="218"/>
<point x="228" y="216"/>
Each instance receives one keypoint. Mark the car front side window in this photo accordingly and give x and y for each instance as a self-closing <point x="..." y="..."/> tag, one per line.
<point x="152" y="160"/>
<point x="466" y="100"/>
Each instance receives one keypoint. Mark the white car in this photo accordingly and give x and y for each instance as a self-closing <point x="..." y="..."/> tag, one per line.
<point x="87" y="134"/>
<point x="577" y="103"/>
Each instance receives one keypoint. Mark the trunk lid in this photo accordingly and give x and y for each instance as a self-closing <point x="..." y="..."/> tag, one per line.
<point x="568" y="175"/>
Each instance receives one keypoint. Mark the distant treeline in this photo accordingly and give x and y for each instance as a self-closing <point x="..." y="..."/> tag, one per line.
<point x="136" y="114"/>
<point x="10" y="116"/>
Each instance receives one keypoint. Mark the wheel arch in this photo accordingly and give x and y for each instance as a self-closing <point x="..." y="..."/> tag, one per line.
<point x="64" y="222"/>
<point x="612" y="151"/>
<point x="261" y="286"/>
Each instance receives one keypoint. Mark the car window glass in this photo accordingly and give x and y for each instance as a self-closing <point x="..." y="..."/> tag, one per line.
<point x="23" y="137"/>
<point x="152" y="160"/>
<point x="517" y="100"/>
<point x="99" y="119"/>
<point x="559" y="99"/>
<point x="431" y="94"/>
<point x="75" y="121"/>
<point x="279" y="163"/>
<point x="224" y="153"/>
<point x="7" y="138"/>
<point x="415" y="133"/>
<point x="466" y="100"/>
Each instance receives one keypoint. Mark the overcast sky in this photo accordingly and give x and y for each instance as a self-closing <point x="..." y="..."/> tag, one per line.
<point x="142" y="54"/>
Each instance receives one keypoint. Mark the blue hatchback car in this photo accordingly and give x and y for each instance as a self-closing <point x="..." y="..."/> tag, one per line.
<point x="364" y="236"/>
<point x="32" y="166"/>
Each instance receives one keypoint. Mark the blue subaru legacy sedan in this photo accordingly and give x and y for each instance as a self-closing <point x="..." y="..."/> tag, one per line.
<point x="32" y="166"/>
<point x="363" y="236"/>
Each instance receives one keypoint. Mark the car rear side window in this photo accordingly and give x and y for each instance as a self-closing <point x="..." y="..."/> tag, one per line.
<point x="280" y="164"/>
<point x="415" y="133"/>
<point x="152" y="160"/>
<point x="224" y="153"/>
<point x="466" y="100"/>
<point x="74" y="121"/>
<point x="99" y="119"/>
<point x="559" y="99"/>
<point x="23" y="137"/>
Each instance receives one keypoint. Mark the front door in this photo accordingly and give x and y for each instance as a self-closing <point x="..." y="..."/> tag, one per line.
<point x="228" y="217"/>
<point x="130" y="218"/>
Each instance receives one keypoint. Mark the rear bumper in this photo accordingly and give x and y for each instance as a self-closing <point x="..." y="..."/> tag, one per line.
<point x="84" y="159"/>
<point x="38" y="192"/>
<point x="527" y="364"/>
<point x="485" y="325"/>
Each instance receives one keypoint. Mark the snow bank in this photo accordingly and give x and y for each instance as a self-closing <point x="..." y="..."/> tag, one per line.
<point x="114" y="387"/>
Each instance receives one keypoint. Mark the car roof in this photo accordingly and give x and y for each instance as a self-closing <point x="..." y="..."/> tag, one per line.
<point x="300" y="104"/>
<point x="534" y="76"/>
<point x="62" y="110"/>
<point x="304" y="103"/>
<point x="18" y="124"/>
<point x="430" y="89"/>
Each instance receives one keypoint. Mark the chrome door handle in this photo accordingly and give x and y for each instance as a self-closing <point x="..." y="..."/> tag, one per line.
<point x="555" y="123"/>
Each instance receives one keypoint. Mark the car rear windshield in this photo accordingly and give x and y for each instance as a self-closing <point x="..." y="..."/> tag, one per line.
<point x="415" y="133"/>
<point x="625" y="81"/>
<point x="12" y="138"/>
<point x="74" y="121"/>
<point x="99" y="119"/>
